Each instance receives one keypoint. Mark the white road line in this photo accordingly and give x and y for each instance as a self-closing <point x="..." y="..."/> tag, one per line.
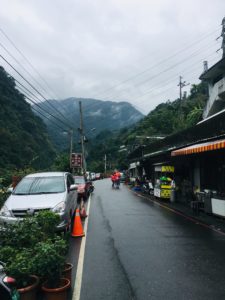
<point x="79" y="274"/>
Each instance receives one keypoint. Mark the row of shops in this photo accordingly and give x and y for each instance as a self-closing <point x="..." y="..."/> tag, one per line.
<point x="196" y="170"/>
<point x="191" y="162"/>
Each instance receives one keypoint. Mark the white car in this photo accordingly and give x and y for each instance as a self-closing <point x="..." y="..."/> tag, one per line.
<point x="92" y="176"/>
<point x="53" y="191"/>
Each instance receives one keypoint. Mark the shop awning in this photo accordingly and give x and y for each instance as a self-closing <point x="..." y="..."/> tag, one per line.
<point x="198" y="148"/>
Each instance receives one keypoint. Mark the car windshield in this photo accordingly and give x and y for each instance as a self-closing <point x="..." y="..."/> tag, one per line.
<point x="79" y="180"/>
<point x="40" y="185"/>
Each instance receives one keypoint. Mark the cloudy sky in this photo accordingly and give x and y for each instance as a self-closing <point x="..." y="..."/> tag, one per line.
<point x="119" y="50"/>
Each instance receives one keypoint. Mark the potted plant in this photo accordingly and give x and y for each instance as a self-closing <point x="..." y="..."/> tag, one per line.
<point x="47" y="221"/>
<point x="16" y="251"/>
<point x="19" y="265"/>
<point x="33" y="247"/>
<point x="67" y="271"/>
<point x="49" y="263"/>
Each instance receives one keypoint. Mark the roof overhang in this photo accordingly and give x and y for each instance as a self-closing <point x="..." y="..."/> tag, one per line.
<point x="198" y="148"/>
<point x="214" y="71"/>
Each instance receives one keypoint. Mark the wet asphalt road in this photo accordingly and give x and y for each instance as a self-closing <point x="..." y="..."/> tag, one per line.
<point x="138" y="250"/>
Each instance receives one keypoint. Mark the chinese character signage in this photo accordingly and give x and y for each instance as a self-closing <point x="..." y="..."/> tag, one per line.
<point x="76" y="160"/>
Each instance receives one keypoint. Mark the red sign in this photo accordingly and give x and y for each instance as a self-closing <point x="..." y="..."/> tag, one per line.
<point x="76" y="160"/>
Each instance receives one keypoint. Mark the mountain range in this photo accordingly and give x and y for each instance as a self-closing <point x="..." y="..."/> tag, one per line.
<point x="98" y="114"/>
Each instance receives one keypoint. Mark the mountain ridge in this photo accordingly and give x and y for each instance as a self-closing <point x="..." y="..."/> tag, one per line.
<point x="98" y="114"/>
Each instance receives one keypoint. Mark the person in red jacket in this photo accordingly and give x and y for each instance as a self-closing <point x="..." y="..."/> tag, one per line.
<point x="113" y="178"/>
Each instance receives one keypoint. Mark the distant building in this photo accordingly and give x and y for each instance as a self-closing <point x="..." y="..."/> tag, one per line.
<point x="215" y="77"/>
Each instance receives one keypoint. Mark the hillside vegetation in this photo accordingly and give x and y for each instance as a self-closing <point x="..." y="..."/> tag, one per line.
<point x="98" y="114"/>
<point x="25" y="142"/>
<point x="23" y="137"/>
<point x="166" y="119"/>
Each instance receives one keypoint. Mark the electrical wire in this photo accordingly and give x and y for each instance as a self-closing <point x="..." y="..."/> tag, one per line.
<point x="24" y="92"/>
<point x="30" y="85"/>
<point x="159" y="63"/>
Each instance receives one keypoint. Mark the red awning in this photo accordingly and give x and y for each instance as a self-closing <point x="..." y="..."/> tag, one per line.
<point x="198" y="148"/>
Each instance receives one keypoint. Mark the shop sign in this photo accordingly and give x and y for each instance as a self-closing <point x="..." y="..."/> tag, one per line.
<point x="76" y="160"/>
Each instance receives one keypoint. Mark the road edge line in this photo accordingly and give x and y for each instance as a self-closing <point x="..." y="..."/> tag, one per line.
<point x="192" y="219"/>
<point x="80" y="264"/>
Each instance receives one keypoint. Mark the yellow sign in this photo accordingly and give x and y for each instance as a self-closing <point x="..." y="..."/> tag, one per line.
<point x="168" y="169"/>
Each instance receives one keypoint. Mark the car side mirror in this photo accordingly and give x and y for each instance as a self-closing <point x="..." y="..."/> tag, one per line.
<point x="10" y="190"/>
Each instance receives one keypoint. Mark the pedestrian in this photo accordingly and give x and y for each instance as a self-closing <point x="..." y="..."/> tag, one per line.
<point x="113" y="180"/>
<point x="118" y="175"/>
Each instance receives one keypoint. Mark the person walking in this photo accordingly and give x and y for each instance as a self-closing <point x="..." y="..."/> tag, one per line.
<point x="113" y="179"/>
<point x="118" y="175"/>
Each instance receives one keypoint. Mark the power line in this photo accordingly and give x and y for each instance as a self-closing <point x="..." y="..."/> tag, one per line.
<point x="31" y="86"/>
<point x="40" y="107"/>
<point x="172" y="66"/>
<point x="44" y="116"/>
<point x="29" y="63"/>
<point x="25" y="70"/>
<point x="167" y="81"/>
<point x="159" y="63"/>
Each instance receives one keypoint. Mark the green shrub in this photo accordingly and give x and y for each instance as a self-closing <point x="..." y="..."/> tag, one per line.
<point x="21" y="267"/>
<point x="47" y="220"/>
<point x="23" y="234"/>
<point x="49" y="260"/>
<point x="32" y="246"/>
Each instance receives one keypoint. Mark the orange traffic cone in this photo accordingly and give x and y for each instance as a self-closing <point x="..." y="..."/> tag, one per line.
<point x="77" y="226"/>
<point x="83" y="212"/>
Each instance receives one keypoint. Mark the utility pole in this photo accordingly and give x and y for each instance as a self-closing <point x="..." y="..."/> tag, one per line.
<point x="82" y="139"/>
<point x="71" y="146"/>
<point x="182" y="84"/>
<point x="105" y="163"/>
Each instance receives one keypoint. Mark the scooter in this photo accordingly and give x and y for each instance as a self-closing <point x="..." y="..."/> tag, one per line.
<point x="7" y="286"/>
<point x="91" y="187"/>
<point x="147" y="188"/>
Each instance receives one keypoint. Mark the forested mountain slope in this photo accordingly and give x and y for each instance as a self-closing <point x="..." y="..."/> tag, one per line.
<point x="98" y="114"/>
<point x="173" y="116"/>
<point x="23" y="137"/>
<point x="167" y="118"/>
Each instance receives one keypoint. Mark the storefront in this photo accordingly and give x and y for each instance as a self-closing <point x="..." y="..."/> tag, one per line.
<point x="207" y="166"/>
<point x="134" y="170"/>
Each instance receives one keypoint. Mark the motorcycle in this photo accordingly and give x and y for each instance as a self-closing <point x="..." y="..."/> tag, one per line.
<point x="7" y="286"/>
<point x="148" y="188"/>
<point x="91" y="187"/>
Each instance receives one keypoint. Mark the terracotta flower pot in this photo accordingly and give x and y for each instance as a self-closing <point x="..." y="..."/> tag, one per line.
<point x="30" y="292"/>
<point x="67" y="273"/>
<point x="59" y="293"/>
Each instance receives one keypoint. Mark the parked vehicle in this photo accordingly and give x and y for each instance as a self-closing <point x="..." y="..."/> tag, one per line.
<point x="148" y="188"/>
<point x="92" y="176"/>
<point x="97" y="176"/>
<point x="53" y="191"/>
<point x="7" y="286"/>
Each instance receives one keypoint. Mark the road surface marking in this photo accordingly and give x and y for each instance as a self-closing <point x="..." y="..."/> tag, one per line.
<point x="183" y="215"/>
<point x="79" y="274"/>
